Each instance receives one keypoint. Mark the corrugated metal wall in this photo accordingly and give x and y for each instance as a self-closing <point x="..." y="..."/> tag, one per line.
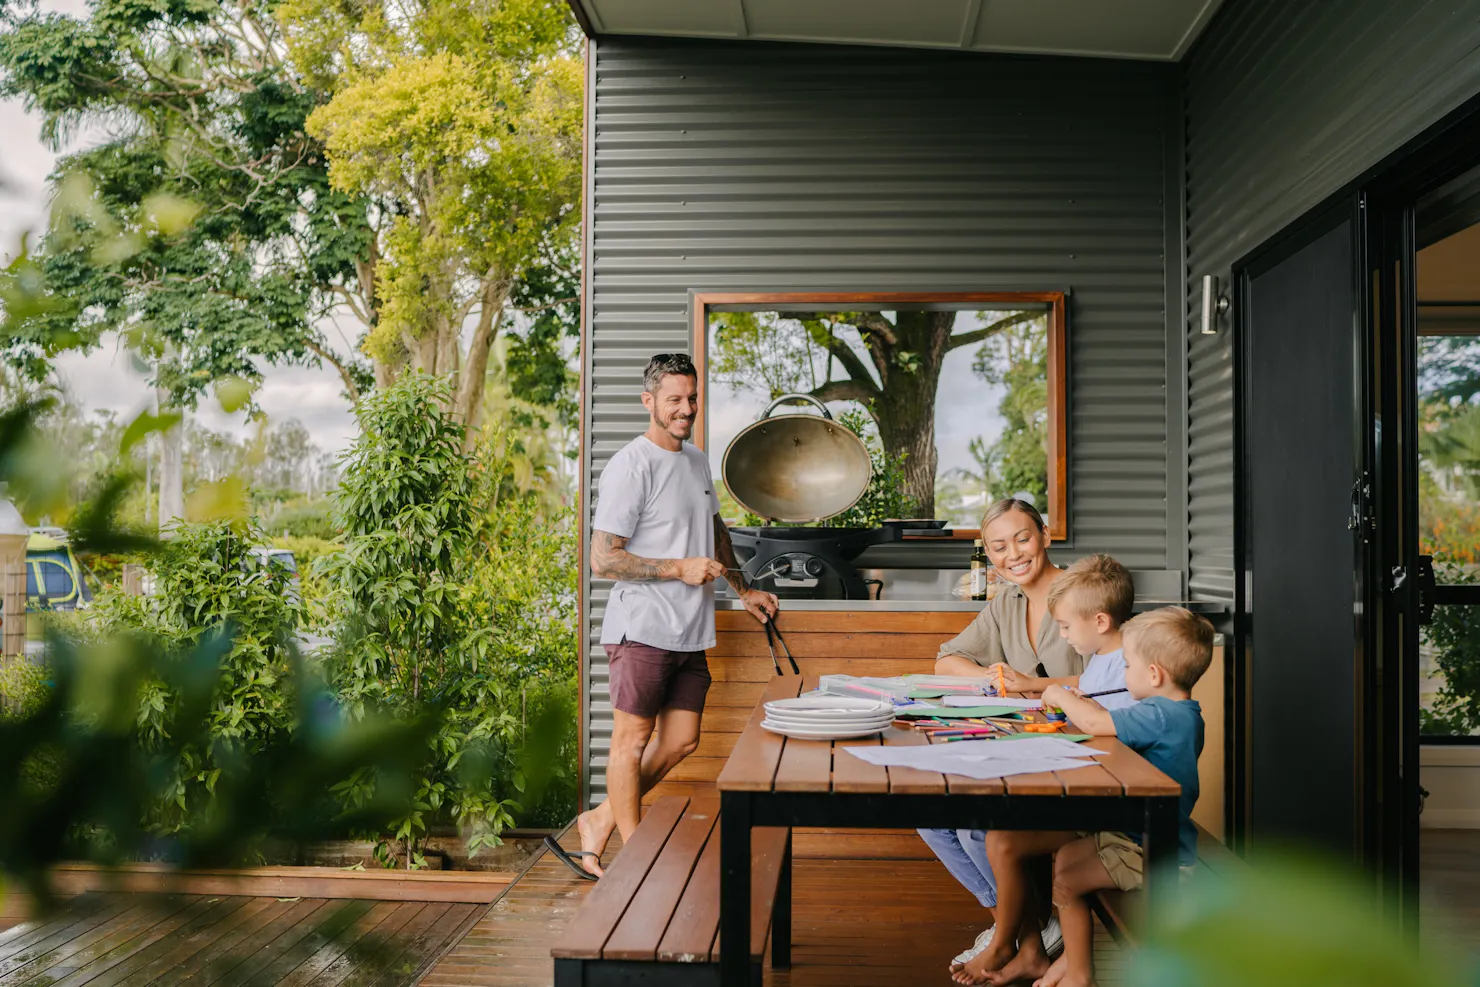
<point x="1285" y="103"/>
<point x="757" y="166"/>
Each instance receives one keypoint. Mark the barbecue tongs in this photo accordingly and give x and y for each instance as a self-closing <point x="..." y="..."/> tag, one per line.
<point x="773" y="638"/>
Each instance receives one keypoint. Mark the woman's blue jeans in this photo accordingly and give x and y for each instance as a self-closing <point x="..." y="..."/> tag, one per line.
<point x="964" y="852"/>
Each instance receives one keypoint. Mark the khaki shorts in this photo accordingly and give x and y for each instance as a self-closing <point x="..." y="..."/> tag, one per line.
<point x="1122" y="858"/>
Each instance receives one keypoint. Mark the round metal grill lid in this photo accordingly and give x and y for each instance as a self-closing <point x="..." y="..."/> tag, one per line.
<point x="796" y="468"/>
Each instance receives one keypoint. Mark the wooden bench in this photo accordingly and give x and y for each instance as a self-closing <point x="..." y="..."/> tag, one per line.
<point x="654" y="918"/>
<point x="1124" y="912"/>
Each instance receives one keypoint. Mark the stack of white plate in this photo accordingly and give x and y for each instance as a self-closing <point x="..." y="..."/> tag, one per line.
<point x="827" y="717"/>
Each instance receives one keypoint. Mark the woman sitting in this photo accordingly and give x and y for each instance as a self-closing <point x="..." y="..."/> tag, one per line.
<point x="1015" y="628"/>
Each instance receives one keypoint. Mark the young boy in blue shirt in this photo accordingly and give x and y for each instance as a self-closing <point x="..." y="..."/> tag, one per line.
<point x="1166" y="652"/>
<point x="1090" y="601"/>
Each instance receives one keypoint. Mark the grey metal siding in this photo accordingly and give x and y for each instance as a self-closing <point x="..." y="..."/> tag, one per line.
<point x="750" y="166"/>
<point x="1286" y="103"/>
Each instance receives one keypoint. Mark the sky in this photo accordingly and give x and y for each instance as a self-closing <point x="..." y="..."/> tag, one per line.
<point x="105" y="379"/>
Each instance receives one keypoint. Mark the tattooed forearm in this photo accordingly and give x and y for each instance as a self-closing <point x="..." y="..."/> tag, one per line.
<point x="724" y="551"/>
<point x="611" y="560"/>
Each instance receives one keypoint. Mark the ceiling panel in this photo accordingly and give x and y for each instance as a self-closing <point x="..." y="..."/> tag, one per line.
<point x="688" y="18"/>
<point x="918" y="22"/>
<point x="1144" y="29"/>
<point x="1123" y="28"/>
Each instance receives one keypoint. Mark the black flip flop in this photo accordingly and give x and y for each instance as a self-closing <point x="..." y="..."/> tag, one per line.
<point x="568" y="858"/>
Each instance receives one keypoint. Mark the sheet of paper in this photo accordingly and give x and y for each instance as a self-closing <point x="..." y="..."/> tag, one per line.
<point x="940" y="757"/>
<point x="935" y="692"/>
<point x="1006" y="701"/>
<point x="1024" y="745"/>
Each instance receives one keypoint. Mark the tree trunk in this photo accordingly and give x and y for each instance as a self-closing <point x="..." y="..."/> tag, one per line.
<point x="171" y="475"/>
<point x="905" y="413"/>
<point x="474" y="377"/>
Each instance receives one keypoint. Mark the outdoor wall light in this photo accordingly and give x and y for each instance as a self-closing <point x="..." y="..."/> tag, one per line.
<point x="1213" y="304"/>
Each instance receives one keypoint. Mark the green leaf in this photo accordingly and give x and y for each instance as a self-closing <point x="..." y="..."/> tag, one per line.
<point x="145" y="424"/>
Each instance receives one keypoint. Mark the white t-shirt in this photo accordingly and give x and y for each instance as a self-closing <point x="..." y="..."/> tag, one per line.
<point x="664" y="504"/>
<point x="1107" y="671"/>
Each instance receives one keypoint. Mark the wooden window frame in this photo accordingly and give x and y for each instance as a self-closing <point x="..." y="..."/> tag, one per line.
<point x="1057" y="514"/>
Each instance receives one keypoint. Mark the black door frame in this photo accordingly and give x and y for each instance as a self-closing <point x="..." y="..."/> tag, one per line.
<point x="1348" y="207"/>
<point x="1385" y="592"/>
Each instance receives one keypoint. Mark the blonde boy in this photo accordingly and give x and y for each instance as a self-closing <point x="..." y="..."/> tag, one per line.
<point x="1166" y="652"/>
<point x="1090" y="602"/>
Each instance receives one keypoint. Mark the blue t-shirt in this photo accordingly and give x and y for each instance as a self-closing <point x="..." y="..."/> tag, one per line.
<point x="1169" y="734"/>
<point x="1105" y="672"/>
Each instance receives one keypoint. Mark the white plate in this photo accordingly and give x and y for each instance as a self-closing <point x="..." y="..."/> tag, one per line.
<point x="820" y="722"/>
<point x="822" y="733"/>
<point x="830" y="707"/>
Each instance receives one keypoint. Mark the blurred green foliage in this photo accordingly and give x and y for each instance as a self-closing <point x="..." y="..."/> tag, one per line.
<point x="206" y="579"/>
<point x="1289" y="921"/>
<point x="184" y="727"/>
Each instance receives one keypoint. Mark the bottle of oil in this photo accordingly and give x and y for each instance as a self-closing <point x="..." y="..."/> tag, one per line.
<point x="979" y="566"/>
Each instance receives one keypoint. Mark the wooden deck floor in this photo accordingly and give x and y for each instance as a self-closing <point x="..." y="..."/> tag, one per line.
<point x="133" y="940"/>
<point x="1449" y="889"/>
<point x="857" y="923"/>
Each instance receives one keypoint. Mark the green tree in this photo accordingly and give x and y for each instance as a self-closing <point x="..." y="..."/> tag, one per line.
<point x="1017" y="358"/>
<point x="204" y="226"/>
<point x="891" y="367"/>
<point x="460" y="126"/>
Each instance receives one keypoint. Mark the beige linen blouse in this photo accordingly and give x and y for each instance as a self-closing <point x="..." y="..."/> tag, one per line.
<point x="1000" y="633"/>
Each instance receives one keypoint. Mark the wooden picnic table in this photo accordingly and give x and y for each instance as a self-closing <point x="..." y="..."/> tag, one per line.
<point x="770" y="780"/>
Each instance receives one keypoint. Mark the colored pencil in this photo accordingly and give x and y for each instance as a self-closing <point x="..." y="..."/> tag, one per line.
<point x="1107" y="692"/>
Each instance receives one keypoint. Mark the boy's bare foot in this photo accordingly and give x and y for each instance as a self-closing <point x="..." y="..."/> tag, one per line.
<point x="1069" y="980"/>
<point x="983" y="939"/>
<point x="594" y="837"/>
<point x="1054" y="975"/>
<point x="989" y="960"/>
<point x="1022" y="967"/>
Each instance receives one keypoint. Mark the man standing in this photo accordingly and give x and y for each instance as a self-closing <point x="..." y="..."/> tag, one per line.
<point x="658" y="533"/>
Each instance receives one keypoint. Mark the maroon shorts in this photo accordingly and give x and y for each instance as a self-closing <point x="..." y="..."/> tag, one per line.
<point x="645" y="680"/>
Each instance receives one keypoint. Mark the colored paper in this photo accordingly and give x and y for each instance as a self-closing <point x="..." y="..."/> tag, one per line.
<point x="1006" y="701"/>
<point x="955" y="712"/>
<point x="936" y="693"/>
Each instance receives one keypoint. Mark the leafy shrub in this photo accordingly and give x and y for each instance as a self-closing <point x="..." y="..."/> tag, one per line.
<point x="302" y="519"/>
<point x="314" y="589"/>
<point x="23" y="687"/>
<point x="208" y="585"/>
<point x="526" y="588"/>
<point x="451" y="590"/>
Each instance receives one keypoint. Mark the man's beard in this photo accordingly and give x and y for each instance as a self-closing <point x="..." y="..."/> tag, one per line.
<point x="668" y="425"/>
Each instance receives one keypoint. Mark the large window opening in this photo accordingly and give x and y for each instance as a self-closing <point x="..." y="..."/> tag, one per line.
<point x="960" y="398"/>
<point x="1448" y="369"/>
